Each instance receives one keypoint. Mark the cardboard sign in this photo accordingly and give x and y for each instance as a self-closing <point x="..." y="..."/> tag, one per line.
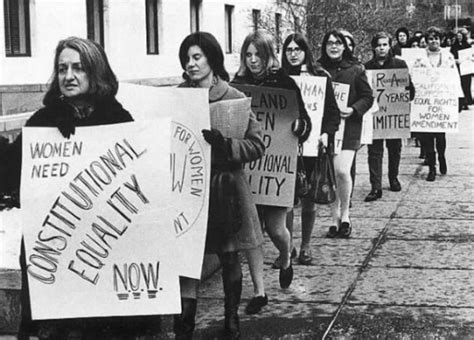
<point x="95" y="212"/>
<point x="367" y="132"/>
<point x="231" y="117"/>
<point x="272" y="177"/>
<point x="341" y="92"/>
<point x="313" y="91"/>
<point x="412" y="56"/>
<point x="435" y="107"/>
<point x="392" y="119"/>
<point x="466" y="61"/>
<point x="190" y="163"/>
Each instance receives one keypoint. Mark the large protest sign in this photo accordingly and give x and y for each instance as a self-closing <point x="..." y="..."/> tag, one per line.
<point x="367" y="131"/>
<point x="313" y="91"/>
<point x="390" y="87"/>
<point x="190" y="163"/>
<point x="341" y="93"/>
<point x="94" y="211"/>
<point x="272" y="177"/>
<point x="435" y="107"/>
<point x="466" y="61"/>
<point x="413" y="56"/>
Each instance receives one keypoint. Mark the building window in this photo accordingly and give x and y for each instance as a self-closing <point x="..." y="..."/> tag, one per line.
<point x="278" y="31"/>
<point x="17" y="27"/>
<point x="152" y="38"/>
<point x="229" y="11"/>
<point x="195" y="15"/>
<point x="255" y="18"/>
<point x="95" y="20"/>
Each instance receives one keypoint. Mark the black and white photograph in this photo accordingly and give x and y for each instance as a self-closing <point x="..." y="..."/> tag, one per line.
<point x="215" y="169"/>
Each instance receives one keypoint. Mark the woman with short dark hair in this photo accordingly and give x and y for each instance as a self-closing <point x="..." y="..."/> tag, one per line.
<point x="461" y="43"/>
<point x="203" y="63"/>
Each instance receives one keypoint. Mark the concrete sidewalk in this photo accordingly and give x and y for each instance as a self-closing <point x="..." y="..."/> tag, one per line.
<point x="407" y="272"/>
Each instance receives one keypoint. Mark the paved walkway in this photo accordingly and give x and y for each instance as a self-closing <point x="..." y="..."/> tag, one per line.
<point x="406" y="273"/>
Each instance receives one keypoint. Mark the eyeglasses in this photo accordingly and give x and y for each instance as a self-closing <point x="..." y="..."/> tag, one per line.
<point x="334" y="43"/>
<point x="295" y="50"/>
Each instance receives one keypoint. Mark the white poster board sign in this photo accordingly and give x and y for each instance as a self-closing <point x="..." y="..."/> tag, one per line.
<point x="412" y="56"/>
<point x="272" y="177"/>
<point x="190" y="163"/>
<point x="313" y="91"/>
<point x="466" y="61"/>
<point x="231" y="117"/>
<point x="435" y="106"/>
<point x="392" y="119"/>
<point x="95" y="220"/>
<point x="341" y="93"/>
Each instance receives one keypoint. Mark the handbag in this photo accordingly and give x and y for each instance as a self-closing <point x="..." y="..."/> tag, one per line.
<point x="224" y="204"/>
<point x="323" y="179"/>
<point x="301" y="183"/>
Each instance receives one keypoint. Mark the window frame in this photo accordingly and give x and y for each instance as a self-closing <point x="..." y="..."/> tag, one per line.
<point x="22" y="26"/>
<point x="154" y="25"/>
<point x="91" y="20"/>
<point x="229" y="16"/>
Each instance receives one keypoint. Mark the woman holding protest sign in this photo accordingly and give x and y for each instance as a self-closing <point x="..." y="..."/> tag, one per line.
<point x="337" y="59"/>
<point x="259" y="66"/>
<point x="82" y="93"/>
<point x="435" y="58"/>
<point x="233" y="220"/>
<point x="460" y="44"/>
<point x="297" y="60"/>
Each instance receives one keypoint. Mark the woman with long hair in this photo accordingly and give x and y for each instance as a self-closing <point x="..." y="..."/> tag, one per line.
<point x="297" y="60"/>
<point x="202" y="60"/>
<point x="337" y="59"/>
<point x="259" y="66"/>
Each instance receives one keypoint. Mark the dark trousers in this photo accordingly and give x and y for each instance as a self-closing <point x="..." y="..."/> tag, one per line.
<point x="375" y="150"/>
<point x="466" y="88"/>
<point x="432" y="140"/>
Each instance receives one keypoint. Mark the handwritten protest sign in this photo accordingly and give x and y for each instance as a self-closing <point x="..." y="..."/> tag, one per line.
<point x="341" y="93"/>
<point x="392" y="120"/>
<point x="435" y="107"/>
<point x="95" y="221"/>
<point x="231" y="117"/>
<point x="313" y="91"/>
<point x="367" y="132"/>
<point x="272" y="177"/>
<point x="412" y="56"/>
<point x="190" y="163"/>
<point x="466" y="61"/>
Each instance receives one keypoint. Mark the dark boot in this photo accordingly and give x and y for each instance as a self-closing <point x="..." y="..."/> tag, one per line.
<point x="443" y="169"/>
<point x="232" y="281"/>
<point x="184" y="323"/>
<point x="431" y="158"/>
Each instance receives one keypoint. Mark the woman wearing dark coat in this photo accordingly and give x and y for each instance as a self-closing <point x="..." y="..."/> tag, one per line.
<point x="337" y="59"/>
<point x="82" y="93"/>
<point x="297" y="60"/>
<point x="259" y="66"/>
<point x="203" y="62"/>
<point x="460" y="44"/>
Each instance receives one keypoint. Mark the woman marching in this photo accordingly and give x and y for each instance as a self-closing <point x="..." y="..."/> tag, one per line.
<point x="82" y="93"/>
<point x="259" y="66"/>
<point x="297" y="60"/>
<point x="202" y="60"/>
<point x="337" y="59"/>
<point x="461" y="43"/>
